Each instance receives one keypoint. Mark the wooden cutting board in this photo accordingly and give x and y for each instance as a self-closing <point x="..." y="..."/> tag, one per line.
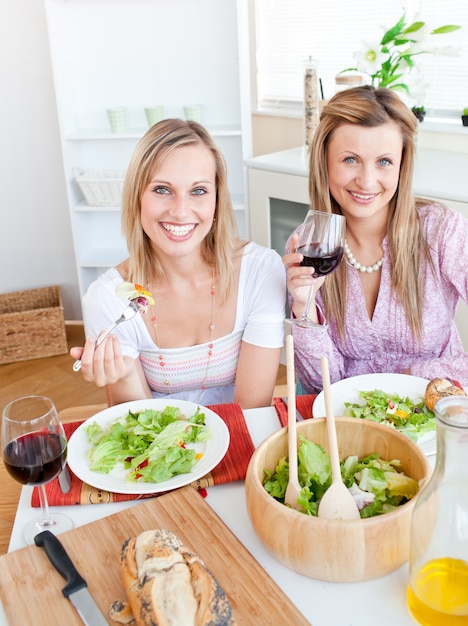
<point x="30" y="587"/>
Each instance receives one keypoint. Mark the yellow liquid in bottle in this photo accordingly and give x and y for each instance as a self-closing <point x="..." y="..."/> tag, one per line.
<point x="439" y="593"/>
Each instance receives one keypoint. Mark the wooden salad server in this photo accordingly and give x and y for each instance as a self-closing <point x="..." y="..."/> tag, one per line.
<point x="337" y="502"/>
<point x="293" y="489"/>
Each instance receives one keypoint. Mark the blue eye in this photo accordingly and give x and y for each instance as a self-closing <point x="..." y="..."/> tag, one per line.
<point x="349" y="160"/>
<point x="199" y="191"/>
<point x="159" y="189"/>
<point x="385" y="162"/>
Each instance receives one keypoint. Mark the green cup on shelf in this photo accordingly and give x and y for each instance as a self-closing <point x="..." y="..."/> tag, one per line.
<point x="154" y="114"/>
<point x="193" y="112"/>
<point x="117" y="119"/>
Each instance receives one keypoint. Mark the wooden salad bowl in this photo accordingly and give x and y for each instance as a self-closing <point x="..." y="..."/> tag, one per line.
<point x="335" y="550"/>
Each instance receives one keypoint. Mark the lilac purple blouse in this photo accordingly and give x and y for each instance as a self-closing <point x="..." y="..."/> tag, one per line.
<point x="385" y="343"/>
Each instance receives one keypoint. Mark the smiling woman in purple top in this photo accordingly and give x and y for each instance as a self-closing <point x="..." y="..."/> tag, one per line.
<point x="390" y="305"/>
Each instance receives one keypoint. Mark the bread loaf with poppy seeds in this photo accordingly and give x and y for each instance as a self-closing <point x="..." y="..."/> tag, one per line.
<point x="167" y="584"/>
<point x="438" y="388"/>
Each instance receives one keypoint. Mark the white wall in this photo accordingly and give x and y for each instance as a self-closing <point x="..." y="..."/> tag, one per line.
<point x="36" y="246"/>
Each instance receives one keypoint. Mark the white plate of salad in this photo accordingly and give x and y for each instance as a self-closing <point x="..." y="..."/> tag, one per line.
<point x="147" y="446"/>
<point x="394" y="399"/>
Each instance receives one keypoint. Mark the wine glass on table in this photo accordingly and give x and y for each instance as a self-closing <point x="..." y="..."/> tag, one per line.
<point x="321" y="242"/>
<point x="34" y="453"/>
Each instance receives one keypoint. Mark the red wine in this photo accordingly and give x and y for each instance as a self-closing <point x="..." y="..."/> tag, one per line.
<point x="35" y="458"/>
<point x="322" y="261"/>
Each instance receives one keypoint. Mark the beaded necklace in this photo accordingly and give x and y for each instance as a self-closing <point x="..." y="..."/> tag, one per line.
<point x="212" y="327"/>
<point x="362" y="268"/>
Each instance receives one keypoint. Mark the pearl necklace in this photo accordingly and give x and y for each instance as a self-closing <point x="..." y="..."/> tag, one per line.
<point x="362" y="268"/>
<point x="212" y="328"/>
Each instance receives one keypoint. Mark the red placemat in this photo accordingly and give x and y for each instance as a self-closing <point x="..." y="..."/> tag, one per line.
<point x="304" y="405"/>
<point x="232" y="467"/>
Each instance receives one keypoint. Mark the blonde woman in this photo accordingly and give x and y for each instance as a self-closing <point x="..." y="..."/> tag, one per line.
<point x="215" y="331"/>
<point x="390" y="305"/>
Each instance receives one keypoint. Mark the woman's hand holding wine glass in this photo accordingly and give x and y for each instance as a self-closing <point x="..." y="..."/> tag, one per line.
<point x="301" y="283"/>
<point x="34" y="452"/>
<point x="320" y="241"/>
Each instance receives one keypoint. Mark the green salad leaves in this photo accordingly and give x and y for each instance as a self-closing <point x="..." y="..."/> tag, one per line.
<point x="413" y="419"/>
<point x="376" y="485"/>
<point x="151" y="444"/>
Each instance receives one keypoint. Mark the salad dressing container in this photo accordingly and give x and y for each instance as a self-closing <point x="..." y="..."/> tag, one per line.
<point x="438" y="579"/>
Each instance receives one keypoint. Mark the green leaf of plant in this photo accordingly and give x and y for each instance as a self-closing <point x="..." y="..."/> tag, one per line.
<point x="386" y="81"/>
<point x="386" y="66"/>
<point x="401" y="40"/>
<point x="414" y="27"/>
<point x="445" y="29"/>
<point x="348" y="69"/>
<point x="395" y="30"/>
<point x="408" y="58"/>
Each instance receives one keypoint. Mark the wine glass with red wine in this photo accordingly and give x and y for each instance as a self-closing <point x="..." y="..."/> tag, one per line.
<point x="321" y="242"/>
<point x="34" y="453"/>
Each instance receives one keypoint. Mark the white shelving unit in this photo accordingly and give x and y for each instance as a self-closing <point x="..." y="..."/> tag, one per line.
<point x="140" y="53"/>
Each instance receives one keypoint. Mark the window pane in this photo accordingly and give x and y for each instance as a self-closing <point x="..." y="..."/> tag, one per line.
<point x="289" y="31"/>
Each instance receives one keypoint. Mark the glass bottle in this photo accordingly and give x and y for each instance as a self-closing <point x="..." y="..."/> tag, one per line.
<point x="311" y="99"/>
<point x="438" y="582"/>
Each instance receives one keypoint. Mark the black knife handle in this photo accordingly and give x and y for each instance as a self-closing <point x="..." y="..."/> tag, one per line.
<point x="59" y="558"/>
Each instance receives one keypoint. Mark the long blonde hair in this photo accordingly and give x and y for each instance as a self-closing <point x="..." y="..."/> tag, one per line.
<point x="221" y="243"/>
<point x="370" y="107"/>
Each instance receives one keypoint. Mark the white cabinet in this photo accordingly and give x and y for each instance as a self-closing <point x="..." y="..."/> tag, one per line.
<point x="136" y="54"/>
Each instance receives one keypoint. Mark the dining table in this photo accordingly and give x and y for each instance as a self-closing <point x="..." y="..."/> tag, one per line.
<point x="379" y="601"/>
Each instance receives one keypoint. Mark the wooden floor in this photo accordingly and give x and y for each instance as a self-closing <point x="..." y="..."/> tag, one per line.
<point x="52" y="377"/>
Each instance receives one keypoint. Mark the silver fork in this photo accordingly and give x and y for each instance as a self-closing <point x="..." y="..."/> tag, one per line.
<point x="128" y="313"/>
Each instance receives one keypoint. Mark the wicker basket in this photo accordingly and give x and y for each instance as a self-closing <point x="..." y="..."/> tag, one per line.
<point x="102" y="187"/>
<point x="32" y="325"/>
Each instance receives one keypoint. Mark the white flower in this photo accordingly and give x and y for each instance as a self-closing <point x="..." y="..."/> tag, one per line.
<point x="419" y="35"/>
<point x="448" y="51"/>
<point x="417" y="86"/>
<point x="369" y="57"/>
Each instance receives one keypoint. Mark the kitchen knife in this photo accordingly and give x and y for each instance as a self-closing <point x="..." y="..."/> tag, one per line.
<point x="64" y="479"/>
<point x="299" y="417"/>
<point x="76" y="588"/>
